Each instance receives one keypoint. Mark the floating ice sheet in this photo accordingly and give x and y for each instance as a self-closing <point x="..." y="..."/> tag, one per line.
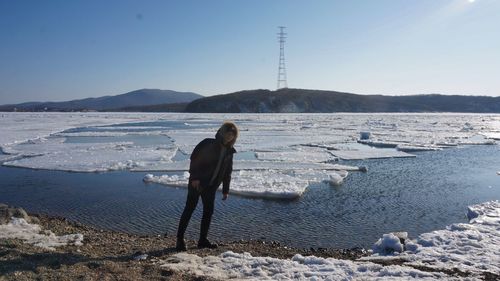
<point x="298" y="154"/>
<point x="90" y="157"/>
<point x="357" y="151"/>
<point x="19" y="127"/>
<point x="256" y="165"/>
<point x="108" y="134"/>
<point x="7" y="157"/>
<point x="268" y="184"/>
<point x="370" y="154"/>
<point x="18" y="228"/>
<point x="276" y="137"/>
<point x="257" y="184"/>
<point x="476" y="140"/>
<point x="492" y="135"/>
<point x="417" y="148"/>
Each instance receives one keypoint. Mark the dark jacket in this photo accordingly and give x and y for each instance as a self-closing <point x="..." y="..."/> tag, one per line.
<point x="204" y="161"/>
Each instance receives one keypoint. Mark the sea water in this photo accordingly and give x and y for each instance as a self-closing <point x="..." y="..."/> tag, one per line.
<point x="420" y="192"/>
<point x="415" y="195"/>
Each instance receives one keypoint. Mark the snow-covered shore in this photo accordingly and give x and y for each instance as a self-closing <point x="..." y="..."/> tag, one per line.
<point x="470" y="248"/>
<point x="468" y="251"/>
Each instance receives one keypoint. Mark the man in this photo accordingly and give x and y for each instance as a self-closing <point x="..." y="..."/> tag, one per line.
<point x="211" y="165"/>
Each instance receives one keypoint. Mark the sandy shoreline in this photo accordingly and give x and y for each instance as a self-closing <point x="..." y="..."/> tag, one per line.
<point x="110" y="255"/>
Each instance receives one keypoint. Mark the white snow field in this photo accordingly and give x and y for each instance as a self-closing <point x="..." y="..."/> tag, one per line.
<point x="472" y="247"/>
<point x="33" y="234"/>
<point x="293" y="146"/>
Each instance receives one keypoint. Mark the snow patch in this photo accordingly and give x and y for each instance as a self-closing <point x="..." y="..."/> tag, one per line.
<point x="18" y="228"/>
<point x="473" y="246"/>
<point x="230" y="265"/>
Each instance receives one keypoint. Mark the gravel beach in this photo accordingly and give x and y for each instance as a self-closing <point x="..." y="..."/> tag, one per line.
<point x="109" y="255"/>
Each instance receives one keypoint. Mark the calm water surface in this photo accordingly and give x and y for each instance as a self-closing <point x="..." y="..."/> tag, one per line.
<point x="415" y="194"/>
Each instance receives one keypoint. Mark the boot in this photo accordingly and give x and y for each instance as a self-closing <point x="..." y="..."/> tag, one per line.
<point x="181" y="245"/>
<point x="206" y="244"/>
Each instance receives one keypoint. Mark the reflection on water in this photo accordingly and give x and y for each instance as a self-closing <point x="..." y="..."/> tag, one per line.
<point x="413" y="194"/>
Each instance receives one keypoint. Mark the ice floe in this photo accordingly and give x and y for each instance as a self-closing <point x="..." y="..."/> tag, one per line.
<point x="107" y="134"/>
<point x="416" y="148"/>
<point x="257" y="184"/>
<point x="84" y="157"/>
<point x="298" y="154"/>
<point x="180" y="166"/>
<point x="268" y="184"/>
<point x="374" y="153"/>
<point x="33" y="234"/>
<point x="492" y="135"/>
<point x="19" y="127"/>
<point x="281" y="141"/>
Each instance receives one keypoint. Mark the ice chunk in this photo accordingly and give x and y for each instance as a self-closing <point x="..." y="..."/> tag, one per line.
<point x="388" y="244"/>
<point x="18" y="228"/>
<point x="141" y="257"/>
<point x="174" y="180"/>
<point x="335" y="179"/>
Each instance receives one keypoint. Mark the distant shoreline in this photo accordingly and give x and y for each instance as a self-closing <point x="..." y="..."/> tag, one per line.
<point x="286" y="100"/>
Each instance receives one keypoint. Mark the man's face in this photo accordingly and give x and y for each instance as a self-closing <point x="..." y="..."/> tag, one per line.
<point x="228" y="137"/>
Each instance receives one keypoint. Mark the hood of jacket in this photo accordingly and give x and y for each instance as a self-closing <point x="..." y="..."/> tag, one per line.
<point x="227" y="127"/>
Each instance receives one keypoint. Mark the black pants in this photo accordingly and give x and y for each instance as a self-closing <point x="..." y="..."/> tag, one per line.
<point x="207" y="198"/>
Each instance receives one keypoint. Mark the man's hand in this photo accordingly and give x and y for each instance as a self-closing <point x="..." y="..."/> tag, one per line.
<point x="195" y="184"/>
<point x="224" y="196"/>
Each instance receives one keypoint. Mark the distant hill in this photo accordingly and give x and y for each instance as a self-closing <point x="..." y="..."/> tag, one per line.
<point x="301" y="100"/>
<point x="138" y="98"/>
<point x="168" y="107"/>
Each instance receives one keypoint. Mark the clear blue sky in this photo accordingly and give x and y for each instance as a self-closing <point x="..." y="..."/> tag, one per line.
<point x="62" y="50"/>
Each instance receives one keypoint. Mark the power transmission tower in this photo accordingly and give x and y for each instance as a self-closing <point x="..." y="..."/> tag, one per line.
<point x="281" y="66"/>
